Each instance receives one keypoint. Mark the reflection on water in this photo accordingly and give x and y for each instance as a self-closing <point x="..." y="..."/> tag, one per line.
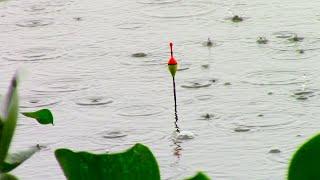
<point x="78" y="55"/>
<point x="177" y="149"/>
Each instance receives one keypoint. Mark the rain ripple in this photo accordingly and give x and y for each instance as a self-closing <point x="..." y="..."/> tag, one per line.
<point x="198" y="84"/>
<point x="38" y="101"/>
<point x="33" y="54"/>
<point x="62" y="85"/>
<point x="287" y="45"/>
<point x="141" y="110"/>
<point x="269" y="121"/>
<point x="93" y="101"/>
<point x="270" y="77"/>
<point x="124" y="137"/>
<point x="35" y="22"/>
<point x="180" y="10"/>
<point x="155" y="2"/>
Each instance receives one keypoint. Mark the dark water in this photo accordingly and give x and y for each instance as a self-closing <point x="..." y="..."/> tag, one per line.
<point x="76" y="58"/>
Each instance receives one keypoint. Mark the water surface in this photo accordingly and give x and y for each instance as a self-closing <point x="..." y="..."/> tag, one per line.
<point x="76" y="59"/>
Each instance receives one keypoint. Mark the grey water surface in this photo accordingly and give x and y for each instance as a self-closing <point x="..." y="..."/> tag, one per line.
<point x="100" y="65"/>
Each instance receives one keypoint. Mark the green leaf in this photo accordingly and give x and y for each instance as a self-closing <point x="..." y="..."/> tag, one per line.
<point x="7" y="177"/>
<point x="199" y="176"/>
<point x="137" y="163"/>
<point x="43" y="116"/>
<point x="15" y="159"/>
<point x="10" y="115"/>
<point x="305" y="163"/>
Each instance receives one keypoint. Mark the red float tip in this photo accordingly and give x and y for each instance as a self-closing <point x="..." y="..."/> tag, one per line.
<point x="172" y="60"/>
<point x="171" y="51"/>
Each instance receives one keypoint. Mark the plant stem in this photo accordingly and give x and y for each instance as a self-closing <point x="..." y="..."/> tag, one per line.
<point x="175" y="104"/>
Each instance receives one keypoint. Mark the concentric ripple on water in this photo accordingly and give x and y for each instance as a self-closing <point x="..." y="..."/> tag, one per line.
<point x="198" y="84"/>
<point x="157" y="1"/>
<point x="35" y="22"/>
<point x="304" y="94"/>
<point x="38" y="101"/>
<point x="204" y="97"/>
<point x="113" y="134"/>
<point x="141" y="110"/>
<point x="126" y="136"/>
<point x="294" y="54"/>
<point x="286" y="148"/>
<point x="35" y="8"/>
<point x="270" y="77"/>
<point x="38" y="7"/>
<point x="279" y="157"/>
<point x="270" y="120"/>
<point x="61" y="85"/>
<point x="283" y="48"/>
<point x="182" y="9"/>
<point x="33" y="54"/>
<point x="131" y="25"/>
<point x="284" y="34"/>
<point x="93" y="101"/>
<point x="147" y="60"/>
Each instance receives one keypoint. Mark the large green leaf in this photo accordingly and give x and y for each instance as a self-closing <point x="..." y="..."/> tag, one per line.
<point x="15" y="159"/>
<point x="305" y="163"/>
<point x="10" y="115"/>
<point x="199" y="176"/>
<point x="43" y="116"/>
<point x="7" y="177"/>
<point x="137" y="163"/>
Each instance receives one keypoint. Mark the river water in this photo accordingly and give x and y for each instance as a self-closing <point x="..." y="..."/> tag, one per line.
<point x="75" y="57"/>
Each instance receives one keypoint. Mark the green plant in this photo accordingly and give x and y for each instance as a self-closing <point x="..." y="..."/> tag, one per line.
<point x="305" y="163"/>
<point x="199" y="176"/>
<point x="136" y="163"/>
<point x="8" y="123"/>
<point x="43" y="116"/>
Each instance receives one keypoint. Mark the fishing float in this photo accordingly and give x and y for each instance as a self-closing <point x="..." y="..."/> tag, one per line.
<point x="173" y="66"/>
